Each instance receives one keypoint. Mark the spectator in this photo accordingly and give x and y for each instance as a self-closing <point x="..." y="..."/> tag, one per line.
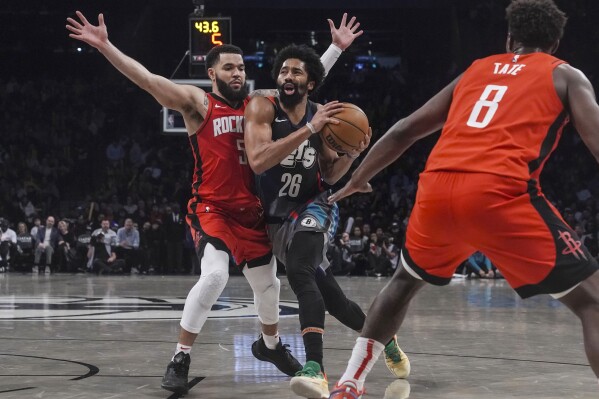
<point x="392" y="253"/>
<point x="82" y="244"/>
<point x="342" y="260"/>
<point x="479" y="265"/>
<point x="28" y="209"/>
<point x="25" y="245"/>
<point x="102" y="258"/>
<point x="128" y="246"/>
<point x="46" y="244"/>
<point x="108" y="235"/>
<point x="358" y="251"/>
<point x="66" y="247"/>
<point x="8" y="245"/>
<point x="37" y="222"/>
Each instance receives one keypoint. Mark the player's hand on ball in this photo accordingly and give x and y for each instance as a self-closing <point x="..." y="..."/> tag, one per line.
<point x="350" y="188"/>
<point x="324" y="113"/>
<point x="355" y="153"/>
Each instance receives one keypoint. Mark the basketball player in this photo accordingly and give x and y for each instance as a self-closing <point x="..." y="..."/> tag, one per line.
<point x="224" y="214"/>
<point x="291" y="164"/>
<point x="480" y="190"/>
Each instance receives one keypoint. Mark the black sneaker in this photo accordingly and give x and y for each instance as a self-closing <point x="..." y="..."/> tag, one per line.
<point x="175" y="378"/>
<point x="281" y="357"/>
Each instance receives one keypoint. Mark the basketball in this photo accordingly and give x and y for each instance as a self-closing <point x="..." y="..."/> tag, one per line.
<point x="347" y="135"/>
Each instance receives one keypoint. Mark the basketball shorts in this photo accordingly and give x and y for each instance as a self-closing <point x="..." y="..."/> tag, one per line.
<point x="509" y="220"/>
<point x="317" y="216"/>
<point x="240" y="233"/>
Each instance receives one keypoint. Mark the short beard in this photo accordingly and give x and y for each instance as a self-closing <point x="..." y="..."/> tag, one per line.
<point x="294" y="99"/>
<point x="230" y="94"/>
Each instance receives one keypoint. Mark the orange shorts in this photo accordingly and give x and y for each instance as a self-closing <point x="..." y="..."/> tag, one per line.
<point x="240" y="233"/>
<point x="509" y="220"/>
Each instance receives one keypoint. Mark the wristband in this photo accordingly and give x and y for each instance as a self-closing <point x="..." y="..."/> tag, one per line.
<point x="329" y="57"/>
<point x="311" y="127"/>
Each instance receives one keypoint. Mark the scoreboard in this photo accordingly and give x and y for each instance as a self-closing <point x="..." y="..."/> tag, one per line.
<point x="206" y="33"/>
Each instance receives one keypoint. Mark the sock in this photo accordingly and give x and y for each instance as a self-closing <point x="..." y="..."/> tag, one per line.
<point x="271" y="341"/>
<point x="313" y="346"/>
<point x="182" y="348"/>
<point x="363" y="357"/>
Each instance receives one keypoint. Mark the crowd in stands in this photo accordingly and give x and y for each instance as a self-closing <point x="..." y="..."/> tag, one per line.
<point x="88" y="151"/>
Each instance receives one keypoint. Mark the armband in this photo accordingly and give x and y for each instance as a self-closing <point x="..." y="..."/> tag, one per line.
<point x="311" y="127"/>
<point x="329" y="58"/>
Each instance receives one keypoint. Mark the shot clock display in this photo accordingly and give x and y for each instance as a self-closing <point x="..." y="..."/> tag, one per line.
<point x="205" y="33"/>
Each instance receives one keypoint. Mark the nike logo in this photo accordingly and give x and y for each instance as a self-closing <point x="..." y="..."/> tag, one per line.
<point x="280" y="120"/>
<point x="219" y="106"/>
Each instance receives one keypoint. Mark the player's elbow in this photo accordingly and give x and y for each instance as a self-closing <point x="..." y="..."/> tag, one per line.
<point x="257" y="165"/>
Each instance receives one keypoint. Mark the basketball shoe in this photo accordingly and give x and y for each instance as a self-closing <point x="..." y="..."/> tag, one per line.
<point x="175" y="377"/>
<point x="397" y="362"/>
<point x="310" y="382"/>
<point x="346" y="390"/>
<point x="281" y="357"/>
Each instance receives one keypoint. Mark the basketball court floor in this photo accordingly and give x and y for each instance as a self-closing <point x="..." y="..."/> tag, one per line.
<point x="80" y="336"/>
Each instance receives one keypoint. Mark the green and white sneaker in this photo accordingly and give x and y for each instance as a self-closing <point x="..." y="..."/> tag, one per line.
<point x="310" y="382"/>
<point x="397" y="362"/>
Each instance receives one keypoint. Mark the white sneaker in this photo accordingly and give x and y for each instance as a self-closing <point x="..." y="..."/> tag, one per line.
<point x="47" y="270"/>
<point x="134" y="270"/>
<point x="34" y="270"/>
<point x="2" y="269"/>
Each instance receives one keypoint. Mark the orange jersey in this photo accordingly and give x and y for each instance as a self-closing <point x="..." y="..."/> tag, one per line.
<point x="505" y="118"/>
<point x="222" y="174"/>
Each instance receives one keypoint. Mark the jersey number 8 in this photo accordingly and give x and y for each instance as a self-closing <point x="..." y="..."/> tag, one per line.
<point x="489" y="106"/>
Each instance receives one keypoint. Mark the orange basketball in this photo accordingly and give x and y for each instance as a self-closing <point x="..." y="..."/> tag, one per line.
<point x="347" y="135"/>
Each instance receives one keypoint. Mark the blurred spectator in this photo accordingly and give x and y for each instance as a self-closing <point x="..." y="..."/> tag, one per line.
<point x="479" y="265"/>
<point x="37" y="222"/>
<point x="102" y="258"/>
<point x="25" y="244"/>
<point x="66" y="248"/>
<point x="81" y="262"/>
<point x="342" y="263"/>
<point x="108" y="236"/>
<point x="8" y="245"/>
<point x="128" y="246"/>
<point x="358" y="250"/>
<point x="46" y="243"/>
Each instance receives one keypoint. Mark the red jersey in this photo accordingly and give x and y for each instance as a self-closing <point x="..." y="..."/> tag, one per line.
<point x="222" y="174"/>
<point x="505" y="118"/>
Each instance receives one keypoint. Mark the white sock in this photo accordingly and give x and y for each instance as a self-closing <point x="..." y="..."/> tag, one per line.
<point x="363" y="357"/>
<point x="271" y="341"/>
<point x="183" y="348"/>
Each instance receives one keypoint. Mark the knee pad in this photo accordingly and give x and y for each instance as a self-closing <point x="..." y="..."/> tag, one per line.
<point x="204" y="294"/>
<point x="266" y="287"/>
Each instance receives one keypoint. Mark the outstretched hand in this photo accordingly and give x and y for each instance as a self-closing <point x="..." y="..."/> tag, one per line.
<point x="83" y="30"/>
<point x="349" y="189"/>
<point x="344" y="36"/>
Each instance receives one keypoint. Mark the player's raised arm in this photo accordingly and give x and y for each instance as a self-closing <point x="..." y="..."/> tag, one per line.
<point x="183" y="98"/>
<point x="342" y="38"/>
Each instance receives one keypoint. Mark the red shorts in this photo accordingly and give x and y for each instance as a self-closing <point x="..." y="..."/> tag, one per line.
<point x="241" y="233"/>
<point x="509" y="220"/>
